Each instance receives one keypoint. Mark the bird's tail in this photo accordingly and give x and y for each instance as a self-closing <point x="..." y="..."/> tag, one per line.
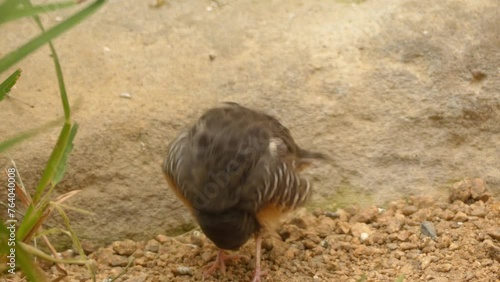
<point x="306" y="158"/>
<point x="305" y="154"/>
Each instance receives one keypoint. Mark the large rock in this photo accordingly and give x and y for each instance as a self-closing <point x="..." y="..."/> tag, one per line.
<point x="404" y="96"/>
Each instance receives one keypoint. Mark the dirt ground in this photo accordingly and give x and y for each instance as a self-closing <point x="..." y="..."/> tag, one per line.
<point x="402" y="94"/>
<point x="422" y="238"/>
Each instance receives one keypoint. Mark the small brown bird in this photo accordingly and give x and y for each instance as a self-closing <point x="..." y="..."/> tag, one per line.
<point x="237" y="170"/>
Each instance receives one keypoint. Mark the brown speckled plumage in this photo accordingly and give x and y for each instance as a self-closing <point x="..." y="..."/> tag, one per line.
<point x="237" y="170"/>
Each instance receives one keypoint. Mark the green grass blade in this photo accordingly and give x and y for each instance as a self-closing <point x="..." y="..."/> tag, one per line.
<point x="15" y="56"/>
<point x="23" y="259"/>
<point x="61" y="167"/>
<point x="4" y="145"/>
<point x="53" y="162"/>
<point x="74" y="238"/>
<point x="17" y="139"/>
<point x="7" y="5"/>
<point x="26" y="263"/>
<point x="59" y="74"/>
<point x="10" y="10"/>
<point x="36" y="252"/>
<point x="60" y="80"/>
<point x="7" y="84"/>
<point x="51" y="231"/>
<point x="30" y="221"/>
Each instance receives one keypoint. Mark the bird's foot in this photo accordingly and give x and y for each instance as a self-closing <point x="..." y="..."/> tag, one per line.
<point x="258" y="274"/>
<point x="220" y="263"/>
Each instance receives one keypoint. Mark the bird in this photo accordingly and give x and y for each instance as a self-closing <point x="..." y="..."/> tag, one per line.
<point x="238" y="172"/>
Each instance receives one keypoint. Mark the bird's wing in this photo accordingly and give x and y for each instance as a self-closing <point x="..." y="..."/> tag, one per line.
<point x="275" y="182"/>
<point x="207" y="166"/>
<point x="172" y="167"/>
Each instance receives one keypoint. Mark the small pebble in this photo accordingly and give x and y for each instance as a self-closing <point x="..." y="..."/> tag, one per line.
<point x="182" y="270"/>
<point x="407" y="246"/>
<point x="448" y="215"/>
<point x="395" y="224"/>
<point x="493" y="251"/>
<point x="89" y="246"/>
<point x="124" y="248"/>
<point x="342" y="227"/>
<point x="116" y="260"/>
<point x="454" y="246"/>
<point x="444" y="241"/>
<point x="197" y="239"/>
<point x="460" y="216"/>
<point x="162" y="238"/>
<point x="332" y="214"/>
<point x="494" y="233"/>
<point x="367" y="215"/>
<point x="409" y="210"/>
<point x="392" y="246"/>
<point x="325" y="227"/>
<point x="425" y="262"/>
<point x="444" y="267"/>
<point x="427" y="228"/>
<point x="363" y="236"/>
<point x="126" y="95"/>
<point x="403" y="235"/>
<point x="480" y="211"/>
<point x="358" y="228"/>
<point x="67" y="254"/>
<point x="152" y="246"/>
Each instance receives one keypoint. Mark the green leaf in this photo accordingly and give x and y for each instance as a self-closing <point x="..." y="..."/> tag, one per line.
<point x="15" y="56"/>
<point x="11" y="10"/>
<point x="61" y="167"/>
<point x="74" y="238"/>
<point x="57" y="156"/>
<point x="7" y="84"/>
<point x="401" y="278"/>
<point x="60" y="80"/>
<point x="31" y="219"/>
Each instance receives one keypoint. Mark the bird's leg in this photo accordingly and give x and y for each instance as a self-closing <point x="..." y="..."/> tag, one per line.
<point x="258" y="271"/>
<point x="220" y="263"/>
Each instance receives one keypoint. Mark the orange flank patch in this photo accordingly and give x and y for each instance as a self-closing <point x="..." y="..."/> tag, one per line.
<point x="270" y="216"/>
<point x="178" y="193"/>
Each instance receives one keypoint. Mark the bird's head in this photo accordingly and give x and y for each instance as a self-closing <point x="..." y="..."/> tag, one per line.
<point x="230" y="229"/>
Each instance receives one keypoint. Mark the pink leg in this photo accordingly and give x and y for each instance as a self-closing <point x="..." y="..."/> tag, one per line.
<point x="258" y="271"/>
<point x="219" y="263"/>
